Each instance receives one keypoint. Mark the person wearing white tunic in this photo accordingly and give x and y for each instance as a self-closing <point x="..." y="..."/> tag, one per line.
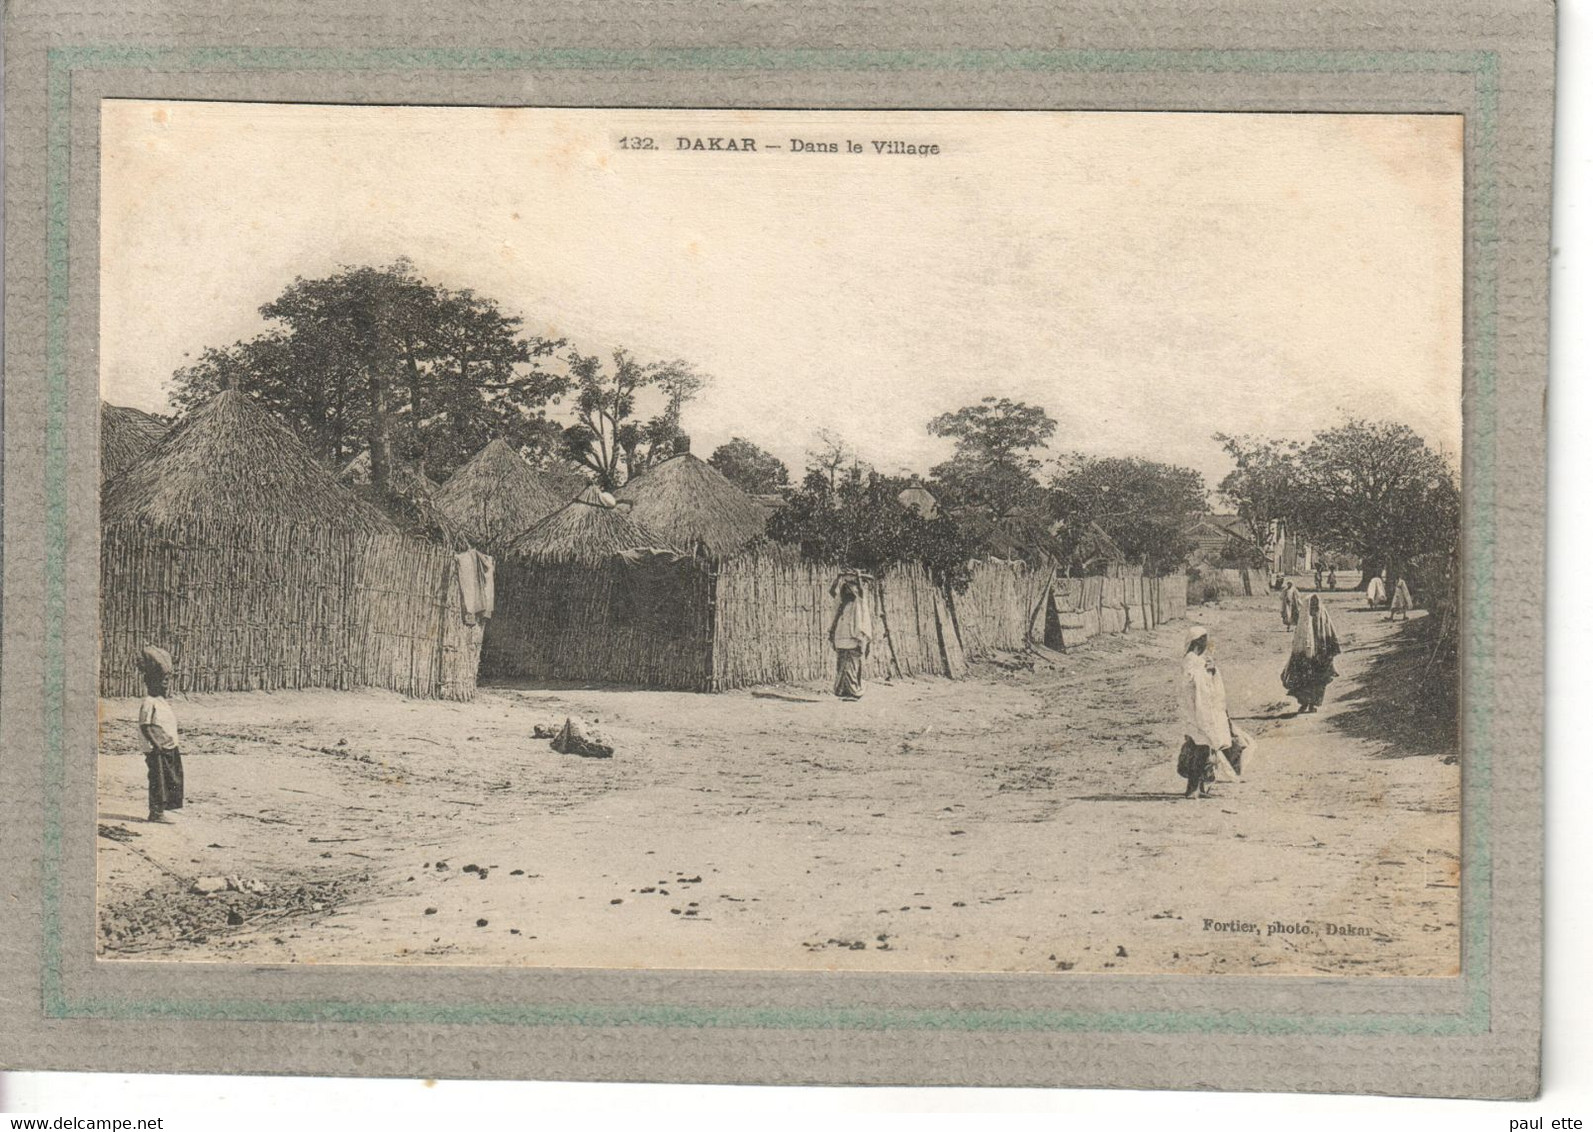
<point x="1207" y="728"/>
<point x="1376" y="592"/>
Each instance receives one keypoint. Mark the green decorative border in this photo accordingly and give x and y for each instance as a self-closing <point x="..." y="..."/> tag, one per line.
<point x="1477" y="870"/>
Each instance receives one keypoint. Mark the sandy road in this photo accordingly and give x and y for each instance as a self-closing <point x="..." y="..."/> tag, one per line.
<point x="1022" y="820"/>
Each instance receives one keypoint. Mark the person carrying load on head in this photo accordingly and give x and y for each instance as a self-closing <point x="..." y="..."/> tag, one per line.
<point x="851" y="633"/>
<point x="157" y="724"/>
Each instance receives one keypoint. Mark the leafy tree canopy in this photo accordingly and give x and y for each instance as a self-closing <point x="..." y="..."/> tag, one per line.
<point x="380" y="359"/>
<point x="994" y="467"/>
<point x="749" y="467"/>
<point x="1376" y="490"/>
<point x="1262" y="487"/>
<point x="859" y="522"/>
<point x="1142" y="505"/>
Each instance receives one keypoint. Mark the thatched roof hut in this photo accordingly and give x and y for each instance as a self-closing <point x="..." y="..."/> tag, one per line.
<point x="1016" y="537"/>
<point x="691" y="503"/>
<point x="231" y="546"/>
<point x="590" y="528"/>
<point x="126" y="437"/>
<point x="916" y="497"/>
<point x="232" y="460"/>
<point x="497" y="496"/>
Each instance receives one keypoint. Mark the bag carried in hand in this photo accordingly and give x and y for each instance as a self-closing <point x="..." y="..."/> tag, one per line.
<point x="1243" y="751"/>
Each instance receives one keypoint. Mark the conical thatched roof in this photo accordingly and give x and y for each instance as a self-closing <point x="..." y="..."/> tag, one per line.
<point x="688" y="502"/>
<point x="126" y="437"/>
<point x="586" y="529"/>
<point x="498" y="496"/>
<point x="231" y="462"/>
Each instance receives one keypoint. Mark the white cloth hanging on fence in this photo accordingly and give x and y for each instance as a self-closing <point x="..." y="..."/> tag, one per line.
<point x="476" y="585"/>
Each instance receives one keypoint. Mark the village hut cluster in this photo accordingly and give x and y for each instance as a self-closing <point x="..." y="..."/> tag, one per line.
<point x="225" y="541"/>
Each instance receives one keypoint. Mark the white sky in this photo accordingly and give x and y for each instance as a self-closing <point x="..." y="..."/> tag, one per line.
<point x="1148" y="278"/>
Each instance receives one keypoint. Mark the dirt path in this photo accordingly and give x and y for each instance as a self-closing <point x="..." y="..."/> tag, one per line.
<point x="1023" y="820"/>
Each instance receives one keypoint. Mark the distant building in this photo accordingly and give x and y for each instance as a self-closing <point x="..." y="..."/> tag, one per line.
<point x="917" y="497"/>
<point x="1292" y="554"/>
<point x="1220" y="537"/>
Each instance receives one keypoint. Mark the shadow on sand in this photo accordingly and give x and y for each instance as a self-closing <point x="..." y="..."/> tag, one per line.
<point x="1144" y="796"/>
<point x="1394" y="701"/>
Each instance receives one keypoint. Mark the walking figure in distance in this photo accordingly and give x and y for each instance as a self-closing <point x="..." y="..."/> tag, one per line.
<point x="1289" y="606"/>
<point x="1400" y="606"/>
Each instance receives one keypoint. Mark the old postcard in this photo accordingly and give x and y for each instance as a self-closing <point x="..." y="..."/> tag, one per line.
<point x="893" y="541"/>
<point x="712" y="557"/>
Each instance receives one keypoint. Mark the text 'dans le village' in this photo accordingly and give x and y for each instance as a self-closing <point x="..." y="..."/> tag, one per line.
<point x="702" y="143"/>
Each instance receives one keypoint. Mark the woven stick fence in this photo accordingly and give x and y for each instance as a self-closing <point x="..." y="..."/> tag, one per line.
<point x="252" y="606"/>
<point x="763" y="617"/>
<point x="772" y="622"/>
<point x="1003" y="607"/>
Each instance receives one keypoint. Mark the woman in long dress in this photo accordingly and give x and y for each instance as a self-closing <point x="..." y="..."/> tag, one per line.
<point x="851" y="630"/>
<point x="1310" y="668"/>
<point x="1204" y="704"/>
<point x="1376" y="593"/>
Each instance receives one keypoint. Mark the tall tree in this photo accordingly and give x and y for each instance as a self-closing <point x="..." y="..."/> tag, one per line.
<point x="610" y="436"/>
<point x="1262" y="486"/>
<point x="994" y="466"/>
<point x="749" y="467"/>
<point x="1142" y="505"/>
<point x="831" y="456"/>
<point x="1376" y="490"/>
<point x="378" y="358"/>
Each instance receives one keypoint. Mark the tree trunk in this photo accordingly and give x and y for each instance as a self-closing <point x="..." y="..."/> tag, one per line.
<point x="414" y="388"/>
<point x="379" y="442"/>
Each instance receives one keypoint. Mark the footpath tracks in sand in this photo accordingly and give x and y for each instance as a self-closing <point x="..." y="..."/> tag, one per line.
<point x="989" y="824"/>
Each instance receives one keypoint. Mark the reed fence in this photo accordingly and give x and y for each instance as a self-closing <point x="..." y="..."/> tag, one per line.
<point x="763" y="617"/>
<point x="997" y="611"/>
<point x="772" y="622"/>
<point x="252" y="606"/>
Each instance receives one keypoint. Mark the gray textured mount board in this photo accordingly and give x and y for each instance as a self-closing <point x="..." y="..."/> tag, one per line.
<point x="1468" y="1029"/>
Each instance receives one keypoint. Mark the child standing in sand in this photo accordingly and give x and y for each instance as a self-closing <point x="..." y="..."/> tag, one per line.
<point x="157" y="723"/>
